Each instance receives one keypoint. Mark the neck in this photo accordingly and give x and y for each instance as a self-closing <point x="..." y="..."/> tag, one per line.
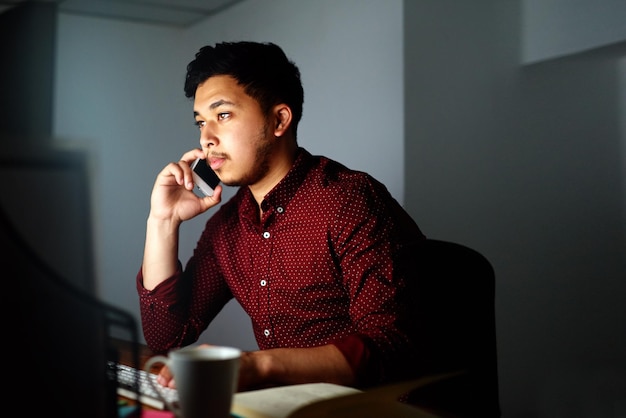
<point x="280" y="164"/>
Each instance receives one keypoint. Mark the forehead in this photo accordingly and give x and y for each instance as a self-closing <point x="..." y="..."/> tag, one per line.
<point x="219" y="89"/>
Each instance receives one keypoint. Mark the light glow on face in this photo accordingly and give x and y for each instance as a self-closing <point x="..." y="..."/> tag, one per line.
<point x="234" y="130"/>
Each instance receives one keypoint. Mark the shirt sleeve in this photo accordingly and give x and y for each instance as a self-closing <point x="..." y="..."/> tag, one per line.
<point x="158" y="311"/>
<point x="175" y="313"/>
<point x="371" y="233"/>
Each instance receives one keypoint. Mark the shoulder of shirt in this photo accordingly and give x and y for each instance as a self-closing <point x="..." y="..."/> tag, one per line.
<point x="333" y="173"/>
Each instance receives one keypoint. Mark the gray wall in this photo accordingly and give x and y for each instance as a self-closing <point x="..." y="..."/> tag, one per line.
<point x="525" y="163"/>
<point x="556" y="28"/>
<point x="119" y="98"/>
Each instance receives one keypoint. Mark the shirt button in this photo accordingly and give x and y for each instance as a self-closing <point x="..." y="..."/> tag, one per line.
<point x="266" y="234"/>
<point x="280" y="209"/>
<point x="263" y="282"/>
<point x="266" y="332"/>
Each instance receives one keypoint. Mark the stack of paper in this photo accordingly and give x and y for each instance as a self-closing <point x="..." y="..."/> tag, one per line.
<point x="315" y="400"/>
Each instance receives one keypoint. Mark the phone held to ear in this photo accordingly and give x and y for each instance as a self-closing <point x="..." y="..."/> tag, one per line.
<point x="204" y="177"/>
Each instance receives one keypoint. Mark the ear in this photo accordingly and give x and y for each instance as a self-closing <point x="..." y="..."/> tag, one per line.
<point x="283" y="116"/>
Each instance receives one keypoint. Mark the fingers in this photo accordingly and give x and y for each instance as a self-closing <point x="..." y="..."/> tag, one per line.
<point x="192" y="155"/>
<point x="177" y="172"/>
<point x="206" y="345"/>
<point x="165" y="378"/>
<point x="185" y="162"/>
<point x="181" y="169"/>
<point x="173" y="197"/>
<point x="210" y="201"/>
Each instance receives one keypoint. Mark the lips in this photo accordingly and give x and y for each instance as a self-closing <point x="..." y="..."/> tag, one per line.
<point x="216" y="163"/>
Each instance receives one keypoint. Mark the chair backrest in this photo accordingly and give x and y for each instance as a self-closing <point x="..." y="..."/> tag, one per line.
<point x="453" y="310"/>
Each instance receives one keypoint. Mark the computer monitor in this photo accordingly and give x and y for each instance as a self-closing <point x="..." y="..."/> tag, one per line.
<point x="58" y="342"/>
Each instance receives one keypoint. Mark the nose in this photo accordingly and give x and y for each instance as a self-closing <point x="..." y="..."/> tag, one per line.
<point x="207" y="138"/>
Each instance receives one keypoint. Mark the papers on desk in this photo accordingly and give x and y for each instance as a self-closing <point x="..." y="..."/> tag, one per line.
<point x="314" y="400"/>
<point x="280" y="402"/>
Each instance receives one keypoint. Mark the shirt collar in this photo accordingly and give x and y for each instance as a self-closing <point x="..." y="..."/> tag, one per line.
<point x="286" y="188"/>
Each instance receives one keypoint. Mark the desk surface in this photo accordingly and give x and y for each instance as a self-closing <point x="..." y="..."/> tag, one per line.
<point x="125" y="352"/>
<point x="125" y="356"/>
<point x="279" y="402"/>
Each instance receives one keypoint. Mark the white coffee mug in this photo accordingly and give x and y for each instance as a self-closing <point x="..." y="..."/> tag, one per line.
<point x="206" y="379"/>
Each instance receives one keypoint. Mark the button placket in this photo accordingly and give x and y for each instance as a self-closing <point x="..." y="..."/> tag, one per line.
<point x="264" y="287"/>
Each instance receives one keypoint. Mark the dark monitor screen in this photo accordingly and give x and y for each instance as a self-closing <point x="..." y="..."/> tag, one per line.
<point x="58" y="336"/>
<point x="45" y="194"/>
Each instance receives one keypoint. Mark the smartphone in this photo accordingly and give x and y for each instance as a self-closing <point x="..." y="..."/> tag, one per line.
<point x="204" y="177"/>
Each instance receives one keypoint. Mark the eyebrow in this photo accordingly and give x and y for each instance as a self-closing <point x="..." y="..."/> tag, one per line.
<point x="216" y="104"/>
<point x="219" y="103"/>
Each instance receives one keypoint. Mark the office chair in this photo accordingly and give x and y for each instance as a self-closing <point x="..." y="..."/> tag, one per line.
<point x="452" y="306"/>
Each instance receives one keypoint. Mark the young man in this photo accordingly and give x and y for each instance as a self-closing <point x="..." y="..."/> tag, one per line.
<point x="314" y="252"/>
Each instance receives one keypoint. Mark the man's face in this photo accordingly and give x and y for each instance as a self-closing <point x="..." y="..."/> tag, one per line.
<point x="234" y="132"/>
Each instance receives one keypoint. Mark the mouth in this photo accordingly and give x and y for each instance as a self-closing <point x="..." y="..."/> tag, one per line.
<point x="216" y="162"/>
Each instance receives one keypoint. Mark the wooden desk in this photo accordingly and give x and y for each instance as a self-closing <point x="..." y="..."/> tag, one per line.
<point x="125" y="356"/>
<point x="125" y="352"/>
<point x="283" y="401"/>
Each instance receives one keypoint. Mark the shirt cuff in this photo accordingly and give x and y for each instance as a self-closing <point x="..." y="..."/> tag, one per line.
<point x="361" y="358"/>
<point x="166" y="287"/>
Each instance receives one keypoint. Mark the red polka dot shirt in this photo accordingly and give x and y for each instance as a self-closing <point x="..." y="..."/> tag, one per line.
<point x="321" y="266"/>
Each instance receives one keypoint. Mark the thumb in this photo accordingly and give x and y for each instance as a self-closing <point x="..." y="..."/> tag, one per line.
<point x="215" y="199"/>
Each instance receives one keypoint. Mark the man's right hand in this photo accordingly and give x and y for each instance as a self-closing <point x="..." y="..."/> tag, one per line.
<point x="172" y="202"/>
<point x="173" y="198"/>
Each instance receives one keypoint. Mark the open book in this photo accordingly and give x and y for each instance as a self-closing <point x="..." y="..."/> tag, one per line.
<point x="314" y="400"/>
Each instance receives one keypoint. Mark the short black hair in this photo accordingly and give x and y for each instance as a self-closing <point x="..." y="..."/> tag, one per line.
<point x="263" y="69"/>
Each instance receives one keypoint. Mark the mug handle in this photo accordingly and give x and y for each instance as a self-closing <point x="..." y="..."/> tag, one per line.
<point x="147" y="368"/>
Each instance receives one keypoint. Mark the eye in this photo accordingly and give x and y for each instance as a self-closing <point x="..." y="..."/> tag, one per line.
<point x="223" y="115"/>
<point x="199" y="124"/>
